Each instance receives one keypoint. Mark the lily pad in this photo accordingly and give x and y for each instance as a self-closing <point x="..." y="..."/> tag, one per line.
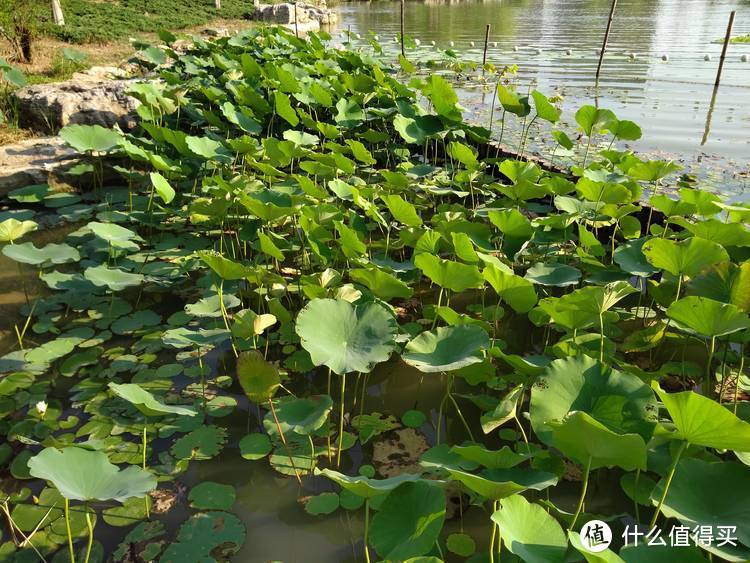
<point x="212" y="496"/>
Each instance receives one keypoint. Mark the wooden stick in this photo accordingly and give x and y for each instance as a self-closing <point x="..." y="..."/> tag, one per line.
<point x="606" y="38"/>
<point x="403" y="51"/>
<point x="727" y="39"/>
<point x="486" y="41"/>
<point x="296" y="29"/>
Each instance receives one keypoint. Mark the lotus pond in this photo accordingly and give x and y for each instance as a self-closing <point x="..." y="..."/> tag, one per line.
<point x="306" y="312"/>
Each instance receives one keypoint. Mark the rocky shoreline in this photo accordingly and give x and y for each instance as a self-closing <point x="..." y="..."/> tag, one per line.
<point x="98" y="96"/>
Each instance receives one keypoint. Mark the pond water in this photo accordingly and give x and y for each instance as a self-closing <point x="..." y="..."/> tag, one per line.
<point x="670" y="100"/>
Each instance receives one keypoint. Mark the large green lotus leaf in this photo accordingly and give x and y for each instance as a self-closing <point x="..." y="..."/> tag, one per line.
<point x="225" y="268"/>
<point x="529" y="532"/>
<point x="183" y="337"/>
<point x="402" y="211"/>
<point x="446" y="348"/>
<point x="448" y="274"/>
<point x="346" y="337"/>
<point x="259" y="378"/>
<point x="81" y="474"/>
<point x="516" y="291"/>
<point x="554" y="274"/>
<point x="50" y="254"/>
<point x="443" y="98"/>
<point x="116" y="235"/>
<point x="710" y="493"/>
<point x="416" y="130"/>
<point x="364" y="486"/>
<point x="384" y="285"/>
<point x="112" y="278"/>
<point x="303" y="415"/>
<point x="13" y="229"/>
<point x="708" y="317"/>
<point x="247" y="323"/>
<point x="210" y="307"/>
<point x="630" y="258"/>
<point x="205" y="538"/>
<point x="495" y="484"/>
<point x="504" y="458"/>
<point x="704" y="422"/>
<point x="147" y="403"/>
<point x="592" y="119"/>
<point x="686" y="258"/>
<point x="409" y="521"/>
<point x="620" y="401"/>
<point x="726" y="282"/>
<point x="90" y="138"/>
<point x="580" y="437"/>
<point x="653" y="170"/>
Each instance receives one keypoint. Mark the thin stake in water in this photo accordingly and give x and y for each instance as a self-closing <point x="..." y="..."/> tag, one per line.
<point x="606" y="38"/>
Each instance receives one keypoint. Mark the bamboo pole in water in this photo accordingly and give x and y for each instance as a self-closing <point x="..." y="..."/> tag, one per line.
<point x="403" y="51"/>
<point x="606" y="38"/>
<point x="727" y="39"/>
<point x="296" y="29"/>
<point x="486" y="41"/>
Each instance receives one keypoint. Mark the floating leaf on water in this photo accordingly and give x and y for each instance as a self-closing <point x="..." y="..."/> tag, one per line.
<point x="212" y="496"/>
<point x="255" y="446"/>
<point x="203" y="443"/>
<point x="324" y="503"/>
<point x="206" y="536"/>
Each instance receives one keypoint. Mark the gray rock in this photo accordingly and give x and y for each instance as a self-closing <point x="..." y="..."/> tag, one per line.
<point x="48" y="107"/>
<point x="306" y="14"/>
<point x="34" y="161"/>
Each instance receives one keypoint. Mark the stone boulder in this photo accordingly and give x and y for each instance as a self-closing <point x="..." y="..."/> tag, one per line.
<point x="88" y="99"/>
<point x="34" y="161"/>
<point x="309" y="16"/>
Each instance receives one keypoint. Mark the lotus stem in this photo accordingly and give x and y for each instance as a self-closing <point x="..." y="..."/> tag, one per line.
<point x="635" y="500"/>
<point x="460" y="414"/>
<point x="584" y="488"/>
<point x="709" y="361"/>
<point x="341" y="420"/>
<point x="367" y="529"/>
<point x="494" y="533"/>
<point x="601" y="337"/>
<point x="683" y="445"/>
<point x="67" y="529"/>
<point x="90" y="526"/>
<point x="328" y="426"/>
<point x="145" y="446"/>
<point x="283" y="440"/>
<point x="739" y="374"/>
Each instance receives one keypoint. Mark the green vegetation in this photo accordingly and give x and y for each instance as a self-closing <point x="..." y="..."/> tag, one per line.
<point x="93" y="21"/>
<point x="294" y="222"/>
<point x="741" y="38"/>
